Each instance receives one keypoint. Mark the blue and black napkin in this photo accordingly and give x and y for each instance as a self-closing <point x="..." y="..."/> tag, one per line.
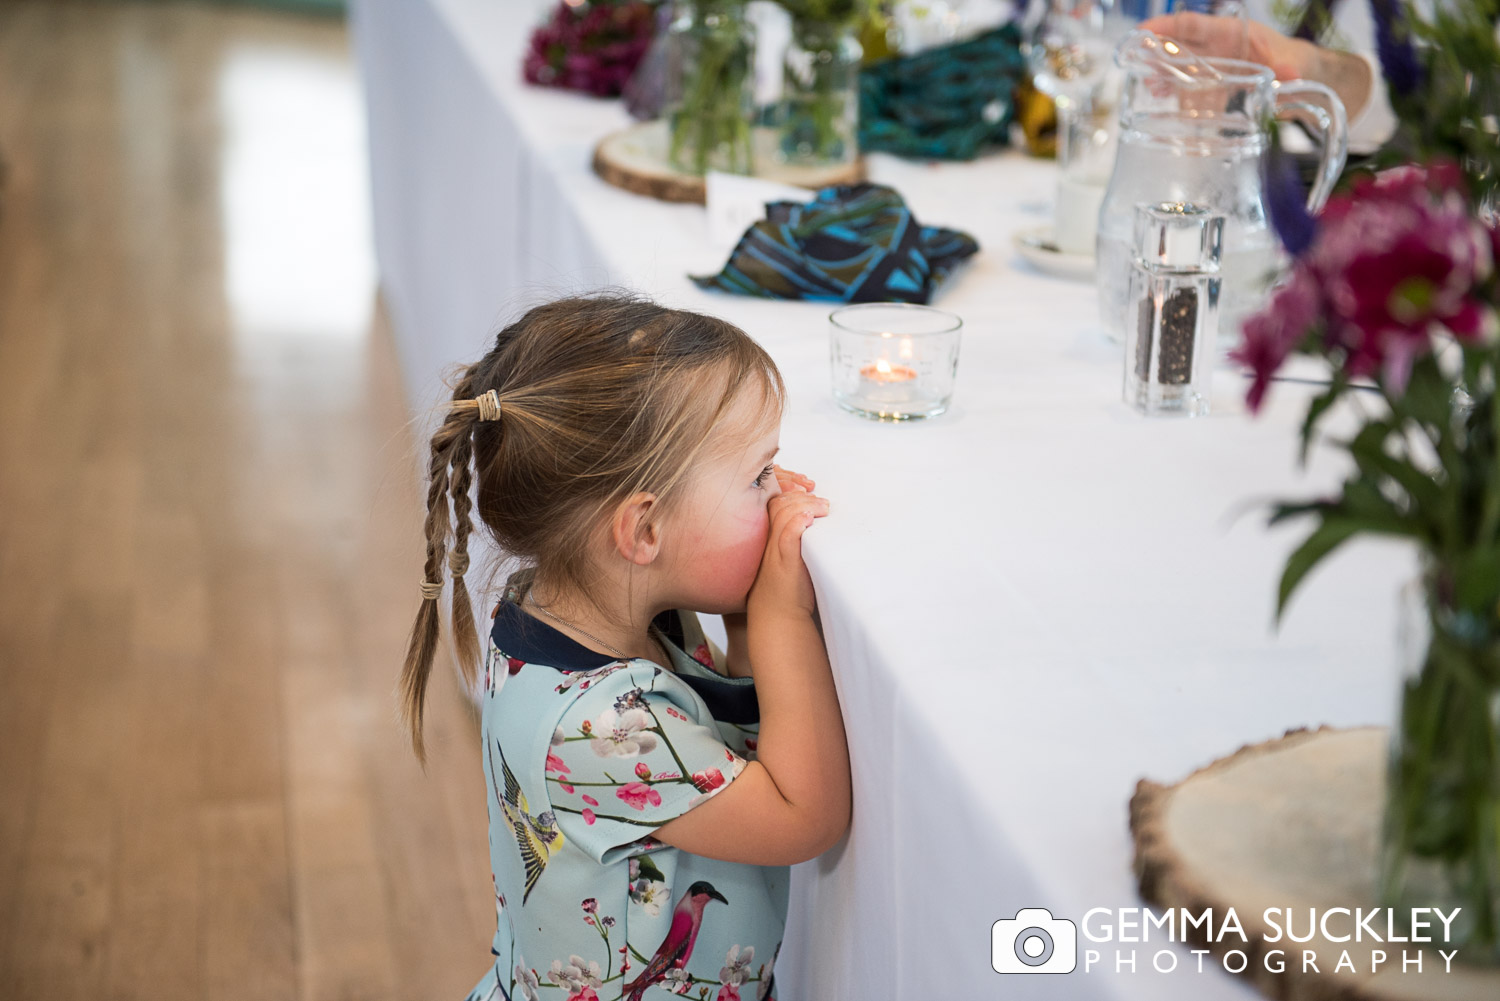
<point x="851" y="243"/>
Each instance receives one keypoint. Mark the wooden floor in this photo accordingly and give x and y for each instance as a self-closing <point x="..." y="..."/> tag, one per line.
<point x="209" y="534"/>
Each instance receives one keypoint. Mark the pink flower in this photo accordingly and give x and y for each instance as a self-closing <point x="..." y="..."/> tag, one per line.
<point x="591" y="801"/>
<point x="703" y="655"/>
<point x="591" y="905"/>
<point x="708" y="780"/>
<point x="588" y="816"/>
<point x="728" y="992"/>
<point x="566" y="787"/>
<point x="514" y="666"/>
<point x="556" y="764"/>
<point x="1395" y="258"/>
<point x="584" y="994"/>
<point x="638" y="795"/>
<point x="642" y="769"/>
<point x="1271" y="334"/>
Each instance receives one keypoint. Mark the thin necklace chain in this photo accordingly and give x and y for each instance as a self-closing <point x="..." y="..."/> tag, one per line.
<point x="583" y="632"/>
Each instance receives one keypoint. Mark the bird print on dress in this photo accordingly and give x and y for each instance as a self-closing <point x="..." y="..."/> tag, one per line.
<point x="677" y="948"/>
<point x="536" y="837"/>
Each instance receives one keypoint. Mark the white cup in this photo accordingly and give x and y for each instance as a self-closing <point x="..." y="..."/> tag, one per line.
<point x="1075" y="220"/>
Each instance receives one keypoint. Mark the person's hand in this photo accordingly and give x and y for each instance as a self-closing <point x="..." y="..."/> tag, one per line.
<point x="1347" y="74"/>
<point x="789" y="480"/>
<point x="1235" y="38"/>
<point x="783" y="584"/>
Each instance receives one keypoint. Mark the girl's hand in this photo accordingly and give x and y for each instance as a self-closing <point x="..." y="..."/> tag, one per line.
<point x="783" y="584"/>
<point x="790" y="481"/>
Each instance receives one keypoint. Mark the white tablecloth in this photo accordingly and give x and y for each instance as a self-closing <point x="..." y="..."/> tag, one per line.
<point x="1031" y="601"/>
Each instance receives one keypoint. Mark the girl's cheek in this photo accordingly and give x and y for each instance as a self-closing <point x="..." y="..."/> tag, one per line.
<point x="729" y="567"/>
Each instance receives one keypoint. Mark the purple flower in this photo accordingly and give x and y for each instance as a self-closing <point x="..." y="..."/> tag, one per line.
<point x="1398" y="59"/>
<point x="1286" y="202"/>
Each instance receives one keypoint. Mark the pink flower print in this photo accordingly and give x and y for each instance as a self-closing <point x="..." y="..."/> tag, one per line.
<point x="588" y="816"/>
<point x="591" y="801"/>
<point x="638" y="795"/>
<point x="591" y="905"/>
<point x="708" y="780"/>
<point x="643" y="770"/>
<point x="729" y="992"/>
<point x="675" y="713"/>
<point x="513" y="666"/>
<point x="751" y="743"/>
<point x="587" y="994"/>
<point x="703" y="656"/>
<point x="556" y="764"/>
<point x="566" y="787"/>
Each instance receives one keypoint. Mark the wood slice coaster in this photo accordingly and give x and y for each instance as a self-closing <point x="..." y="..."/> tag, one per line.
<point x="1290" y="823"/>
<point x="636" y="159"/>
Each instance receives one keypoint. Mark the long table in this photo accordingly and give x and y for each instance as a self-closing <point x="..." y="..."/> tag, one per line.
<point x="1031" y="602"/>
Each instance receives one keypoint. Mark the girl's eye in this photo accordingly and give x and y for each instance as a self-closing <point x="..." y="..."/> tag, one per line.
<point x="760" y="480"/>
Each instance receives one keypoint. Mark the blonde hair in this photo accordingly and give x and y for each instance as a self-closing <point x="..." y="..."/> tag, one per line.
<point x="600" y="397"/>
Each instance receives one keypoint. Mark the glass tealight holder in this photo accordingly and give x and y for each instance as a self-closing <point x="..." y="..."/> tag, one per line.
<point x="893" y="361"/>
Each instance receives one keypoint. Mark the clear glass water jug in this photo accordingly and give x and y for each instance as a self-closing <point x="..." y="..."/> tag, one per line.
<point x="1193" y="130"/>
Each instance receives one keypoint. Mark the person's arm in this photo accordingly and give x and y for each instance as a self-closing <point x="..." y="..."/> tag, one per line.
<point x="793" y="802"/>
<point x="1345" y="73"/>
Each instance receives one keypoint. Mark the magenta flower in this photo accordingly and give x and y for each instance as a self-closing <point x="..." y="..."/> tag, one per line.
<point x="592" y="47"/>
<point x="1396" y="259"/>
<point x="642" y="770"/>
<point x="1273" y="333"/>
<point x="638" y="795"/>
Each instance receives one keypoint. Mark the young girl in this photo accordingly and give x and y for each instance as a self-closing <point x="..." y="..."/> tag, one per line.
<point x="645" y="798"/>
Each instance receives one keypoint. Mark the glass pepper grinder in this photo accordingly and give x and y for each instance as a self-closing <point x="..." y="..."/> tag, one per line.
<point x="1172" y="311"/>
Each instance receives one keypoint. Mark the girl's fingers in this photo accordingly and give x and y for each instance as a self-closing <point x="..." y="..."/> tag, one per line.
<point x="787" y="476"/>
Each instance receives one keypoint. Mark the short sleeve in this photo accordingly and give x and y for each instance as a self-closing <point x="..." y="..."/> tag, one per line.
<point x="633" y="751"/>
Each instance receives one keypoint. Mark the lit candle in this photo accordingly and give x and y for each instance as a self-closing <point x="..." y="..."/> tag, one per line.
<point x="884" y="373"/>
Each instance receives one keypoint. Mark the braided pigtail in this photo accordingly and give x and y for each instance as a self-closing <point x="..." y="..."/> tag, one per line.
<point x="451" y="448"/>
<point x="465" y="639"/>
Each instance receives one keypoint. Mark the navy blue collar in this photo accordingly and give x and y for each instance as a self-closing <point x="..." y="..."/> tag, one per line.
<point x="529" y="639"/>
<point x="532" y="641"/>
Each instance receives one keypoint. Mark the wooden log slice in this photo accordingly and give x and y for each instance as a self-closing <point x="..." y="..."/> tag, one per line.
<point x="1290" y="823"/>
<point x="636" y="159"/>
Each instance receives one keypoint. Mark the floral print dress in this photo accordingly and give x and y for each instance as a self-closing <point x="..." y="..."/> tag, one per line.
<point x="585" y="756"/>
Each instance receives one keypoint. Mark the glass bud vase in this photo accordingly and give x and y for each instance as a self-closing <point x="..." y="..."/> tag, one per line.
<point x="819" y="120"/>
<point x="1440" y="840"/>
<point x="710" y="87"/>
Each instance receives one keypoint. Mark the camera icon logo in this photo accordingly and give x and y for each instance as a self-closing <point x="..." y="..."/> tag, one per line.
<point x="1034" y="942"/>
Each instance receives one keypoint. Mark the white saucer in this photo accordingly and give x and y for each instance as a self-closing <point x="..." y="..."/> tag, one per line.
<point x="1036" y="246"/>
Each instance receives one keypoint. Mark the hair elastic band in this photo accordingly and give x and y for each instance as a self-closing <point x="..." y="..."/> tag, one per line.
<point x="489" y="405"/>
<point x="458" y="564"/>
<point x="432" y="589"/>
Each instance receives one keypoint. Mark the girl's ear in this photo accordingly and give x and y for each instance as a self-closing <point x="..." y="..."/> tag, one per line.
<point x="634" y="530"/>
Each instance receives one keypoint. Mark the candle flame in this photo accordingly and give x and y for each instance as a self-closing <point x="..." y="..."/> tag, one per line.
<point x="883" y="367"/>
